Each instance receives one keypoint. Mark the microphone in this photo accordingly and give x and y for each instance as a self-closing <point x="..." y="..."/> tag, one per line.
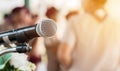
<point x="46" y="28"/>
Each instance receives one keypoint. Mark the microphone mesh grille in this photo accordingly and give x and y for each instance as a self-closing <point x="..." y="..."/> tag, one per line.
<point x="48" y="28"/>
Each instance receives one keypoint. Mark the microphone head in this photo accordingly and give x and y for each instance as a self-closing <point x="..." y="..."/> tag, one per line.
<point x="46" y="28"/>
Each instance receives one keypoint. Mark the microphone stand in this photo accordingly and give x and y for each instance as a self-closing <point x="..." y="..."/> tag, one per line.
<point x="21" y="48"/>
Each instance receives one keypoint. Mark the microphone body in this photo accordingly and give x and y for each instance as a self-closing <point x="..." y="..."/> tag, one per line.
<point x="45" y="28"/>
<point x="19" y="35"/>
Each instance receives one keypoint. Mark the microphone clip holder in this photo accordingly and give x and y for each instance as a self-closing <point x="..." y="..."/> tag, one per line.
<point x="21" y="48"/>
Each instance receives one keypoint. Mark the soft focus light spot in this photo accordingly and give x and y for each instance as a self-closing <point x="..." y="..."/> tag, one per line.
<point x="100" y="13"/>
<point x="113" y="8"/>
<point x="73" y="4"/>
<point x="69" y="4"/>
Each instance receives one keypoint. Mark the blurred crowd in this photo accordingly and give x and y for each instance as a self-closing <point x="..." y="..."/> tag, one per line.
<point x="87" y="38"/>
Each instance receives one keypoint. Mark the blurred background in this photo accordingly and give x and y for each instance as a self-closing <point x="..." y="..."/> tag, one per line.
<point x="35" y="6"/>
<point x="66" y="13"/>
<point x="39" y="9"/>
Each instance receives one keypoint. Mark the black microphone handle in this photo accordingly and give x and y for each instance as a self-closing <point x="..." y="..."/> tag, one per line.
<point x="20" y="35"/>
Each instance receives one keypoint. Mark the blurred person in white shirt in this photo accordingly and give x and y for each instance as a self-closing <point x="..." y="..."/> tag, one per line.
<point x="97" y="36"/>
<point x="53" y="44"/>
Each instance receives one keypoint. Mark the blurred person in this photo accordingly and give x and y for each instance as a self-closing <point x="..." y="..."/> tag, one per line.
<point x="52" y="44"/>
<point x="94" y="42"/>
<point x="21" y="17"/>
<point x="18" y="61"/>
<point x="97" y="40"/>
